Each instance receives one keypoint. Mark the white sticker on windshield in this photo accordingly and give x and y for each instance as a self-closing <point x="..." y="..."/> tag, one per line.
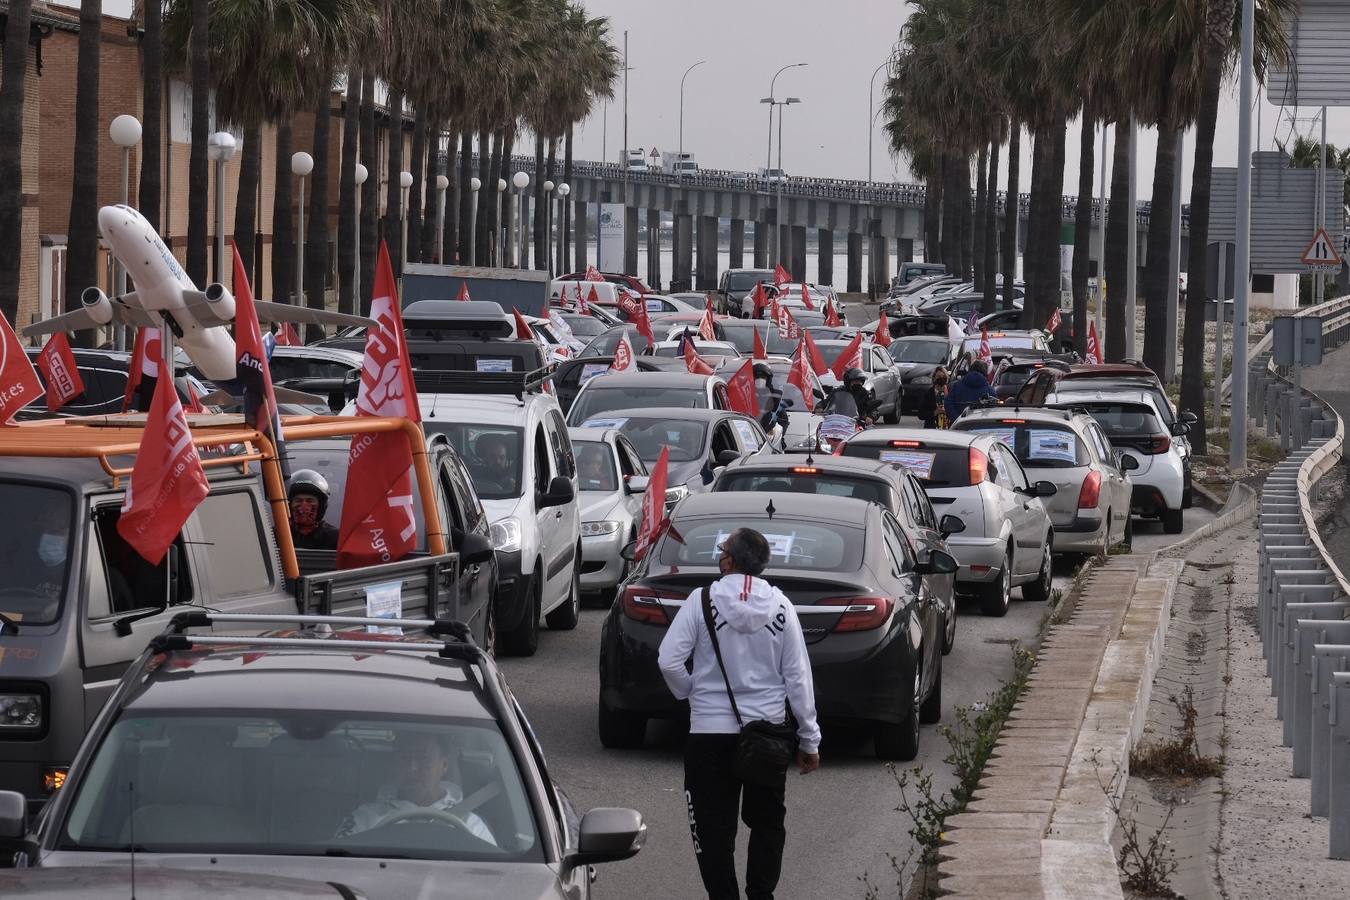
<point x="1003" y="434"/>
<point x="905" y="365"/>
<point x="590" y="370"/>
<point x="494" y="365"/>
<point x="384" y="601"/>
<point x="1050" y="444"/>
<point x="746" y="431"/>
<point x="780" y="545"/>
<point x="604" y="423"/>
<point x="917" y="461"/>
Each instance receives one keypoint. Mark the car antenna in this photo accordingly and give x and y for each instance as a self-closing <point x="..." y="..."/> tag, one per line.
<point x="770" y="510"/>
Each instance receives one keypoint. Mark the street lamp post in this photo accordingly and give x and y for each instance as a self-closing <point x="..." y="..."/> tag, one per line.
<point x="301" y="165"/>
<point x="220" y="149"/>
<point x="778" y="203"/>
<point x="563" y="190"/>
<point x="498" y="242"/>
<point x="474" y="185"/>
<point x="359" y="176"/>
<point x="772" y="101"/>
<point x="125" y="132"/>
<point x="679" y="159"/>
<point x="405" y="181"/>
<point x="548" y="225"/>
<point x="768" y="153"/>
<point x="521" y="180"/>
<point x="1237" y="423"/>
<point x="871" y="87"/>
<point x="441" y="184"/>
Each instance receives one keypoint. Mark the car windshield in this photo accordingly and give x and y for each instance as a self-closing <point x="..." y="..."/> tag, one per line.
<point x="742" y="337"/>
<point x="1036" y="444"/>
<point x="702" y="348"/>
<point x="746" y="281"/>
<point x="1029" y="342"/>
<point x="34" y="551"/>
<point x="793" y="544"/>
<point x="604" y="344"/>
<point x="1124" y="419"/>
<point x="926" y="352"/>
<point x="830" y="484"/>
<point x="595" y="466"/>
<point x="934" y="466"/>
<point x="1083" y="385"/>
<point x="686" y="440"/>
<point x="597" y="399"/>
<point x="304" y="783"/>
<point x="585" y="327"/>
<point x="491" y="452"/>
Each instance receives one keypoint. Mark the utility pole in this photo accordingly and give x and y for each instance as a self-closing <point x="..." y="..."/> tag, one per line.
<point x="1237" y="424"/>
<point x="625" y="106"/>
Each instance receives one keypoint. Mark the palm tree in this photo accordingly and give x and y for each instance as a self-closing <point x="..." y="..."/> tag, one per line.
<point x="370" y="193"/>
<point x="346" y="237"/>
<point x="316" y="241"/>
<point x="82" y="251"/>
<point x="199" y="181"/>
<point x="417" y="164"/>
<point x="12" y="78"/>
<point x="152" y="110"/>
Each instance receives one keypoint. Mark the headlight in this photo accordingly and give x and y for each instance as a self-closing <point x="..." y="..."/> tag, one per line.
<point x="597" y="529"/>
<point x="676" y="494"/>
<point x="922" y="380"/>
<point x="506" y="535"/>
<point x="20" y="712"/>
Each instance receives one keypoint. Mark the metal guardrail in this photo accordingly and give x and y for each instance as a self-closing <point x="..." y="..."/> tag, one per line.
<point x="1327" y="311"/>
<point x="1303" y="596"/>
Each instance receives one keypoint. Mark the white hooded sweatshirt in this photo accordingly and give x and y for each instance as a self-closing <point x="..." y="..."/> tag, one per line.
<point x="764" y="652"/>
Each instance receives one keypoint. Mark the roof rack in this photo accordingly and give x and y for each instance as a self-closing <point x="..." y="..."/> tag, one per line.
<point x="461" y="381"/>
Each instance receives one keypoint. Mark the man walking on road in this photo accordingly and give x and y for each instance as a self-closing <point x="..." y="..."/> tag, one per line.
<point x="761" y="648"/>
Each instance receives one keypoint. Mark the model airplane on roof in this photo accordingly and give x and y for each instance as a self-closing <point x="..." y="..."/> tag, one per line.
<point x="164" y="293"/>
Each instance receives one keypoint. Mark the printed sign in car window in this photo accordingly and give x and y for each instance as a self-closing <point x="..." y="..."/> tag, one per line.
<point x="1046" y="444"/>
<point x="780" y="545"/>
<point x="919" y="462"/>
<point x="493" y="365"/>
<point x="747" y="433"/>
<point x="655" y="305"/>
<point x="590" y="370"/>
<point x="1004" y="434"/>
<point x="604" y="423"/>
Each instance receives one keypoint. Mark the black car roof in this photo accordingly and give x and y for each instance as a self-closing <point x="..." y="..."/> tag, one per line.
<point x="787" y="505"/>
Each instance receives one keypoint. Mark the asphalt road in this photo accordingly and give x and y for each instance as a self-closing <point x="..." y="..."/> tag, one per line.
<point x="842" y="821"/>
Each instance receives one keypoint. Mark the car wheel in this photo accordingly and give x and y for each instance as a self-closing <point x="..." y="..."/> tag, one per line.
<point x="901" y="740"/>
<point x="1187" y="496"/>
<point x="621" y="730"/>
<point x="931" y="710"/>
<point x="949" y="633"/>
<point x="1106" y="537"/>
<point x="1172" y="521"/>
<point x="565" y="617"/>
<point x="893" y="417"/>
<point x="1038" y="591"/>
<point x="994" y="598"/>
<point x="523" y="640"/>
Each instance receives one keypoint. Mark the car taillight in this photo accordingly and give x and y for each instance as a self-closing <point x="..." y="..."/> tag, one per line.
<point x="643" y="604"/>
<point x="1158" y="443"/>
<point x="979" y="466"/>
<point x="860" y="613"/>
<point x="1091" y="491"/>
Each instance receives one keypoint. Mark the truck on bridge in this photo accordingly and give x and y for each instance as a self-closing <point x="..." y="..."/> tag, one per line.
<point x="678" y="163"/>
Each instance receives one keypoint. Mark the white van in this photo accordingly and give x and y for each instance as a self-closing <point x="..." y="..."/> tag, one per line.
<point x="607" y="293"/>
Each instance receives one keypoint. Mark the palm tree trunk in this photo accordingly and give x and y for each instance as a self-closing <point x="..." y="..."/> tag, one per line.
<point x="152" y="106"/>
<point x="12" y="78"/>
<point x="990" y="227"/>
<point x="283" y="235"/>
<point x="417" y="163"/>
<point x="563" y="264"/>
<point x="550" y="171"/>
<point x="469" y="202"/>
<point x="450" y="222"/>
<point x="932" y="217"/>
<point x="981" y="213"/>
<point x="1032" y="259"/>
<point x="393" y="201"/>
<point x="370" y="193"/>
<point x="1054" y="215"/>
<point x="951" y="195"/>
<point x="246" y="198"/>
<point x="346" y="238"/>
<point x="967" y="221"/>
<point x="82" y="252"/>
<point x="1159" y="268"/>
<point x="199" y="176"/>
<point x="506" y="141"/>
<point x="537" y="189"/>
<point x="1120" y="219"/>
<point x="1012" y="214"/>
<point x="1082" y="232"/>
<point x="316" y="241"/>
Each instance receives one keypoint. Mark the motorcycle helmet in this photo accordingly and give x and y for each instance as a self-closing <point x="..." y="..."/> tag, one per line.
<point x="308" y="481"/>
<point x="852" y="374"/>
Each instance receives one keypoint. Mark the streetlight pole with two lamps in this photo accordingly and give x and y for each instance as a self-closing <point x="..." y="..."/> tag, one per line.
<point x="679" y="159"/>
<point x="475" y="185"/>
<point x="359" y="176"/>
<point x="441" y="184"/>
<point x="301" y="165"/>
<point x="125" y="132"/>
<point x="772" y="101"/>
<point x="405" y="181"/>
<point x="220" y="148"/>
<point x="498" y="241"/>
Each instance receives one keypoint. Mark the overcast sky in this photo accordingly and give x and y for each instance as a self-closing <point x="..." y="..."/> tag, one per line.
<point x="746" y="41"/>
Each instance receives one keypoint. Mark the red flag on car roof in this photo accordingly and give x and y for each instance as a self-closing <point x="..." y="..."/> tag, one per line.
<point x="377" y="512"/>
<point x="800" y="375"/>
<point x="851" y="358"/>
<point x="251" y="367"/>
<point x="593" y="297"/>
<point x="57" y="363"/>
<point x="759" y="299"/>
<point x="1094" y="349"/>
<point x="806" y="298"/>
<point x="463" y="291"/>
<point x="1053" y="325"/>
<point x="143" y="371"/>
<point x="167" y="482"/>
<point x="780" y="276"/>
<point x="985" y="353"/>
<point x="882" y="337"/>
<point x="788" y="329"/>
<point x="523" y="330"/>
<point x="741" y="394"/>
<point x="693" y="362"/>
<point x="287" y="336"/>
<point x="593" y="274"/>
<point x="653" y="505"/>
<point x="707" y="329"/>
<point x="19" y="383"/>
<point x="636" y="310"/>
<point x="623" y="356"/>
<point x="817" y="359"/>
<point x="760" y="352"/>
<point x="832" y="315"/>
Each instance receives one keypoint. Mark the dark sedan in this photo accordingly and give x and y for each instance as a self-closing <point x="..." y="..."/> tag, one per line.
<point x="882" y="378"/>
<point x="916" y="357"/>
<point x="871" y="624"/>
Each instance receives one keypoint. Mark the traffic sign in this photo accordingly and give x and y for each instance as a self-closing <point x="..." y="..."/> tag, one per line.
<point x="1321" y="252"/>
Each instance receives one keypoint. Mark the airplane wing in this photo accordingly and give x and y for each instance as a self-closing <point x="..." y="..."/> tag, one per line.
<point x="125" y="310"/>
<point x="304" y="315"/>
<point x="225" y="399"/>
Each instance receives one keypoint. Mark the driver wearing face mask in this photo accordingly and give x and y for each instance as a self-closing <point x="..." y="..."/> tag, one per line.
<point x="772" y="409"/>
<point x="53" y="546"/>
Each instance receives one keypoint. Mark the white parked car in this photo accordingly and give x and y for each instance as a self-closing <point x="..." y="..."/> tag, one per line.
<point x="611" y="479"/>
<point x="670" y="348"/>
<point x="622" y="390"/>
<point x="977" y="478"/>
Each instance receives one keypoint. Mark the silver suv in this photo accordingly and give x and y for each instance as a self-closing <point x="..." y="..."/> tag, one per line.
<point x="977" y="478"/>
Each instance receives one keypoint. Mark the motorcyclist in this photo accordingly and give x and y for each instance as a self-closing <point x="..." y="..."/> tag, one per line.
<point x="308" y="494"/>
<point x="968" y="390"/>
<point x="855" y="383"/>
<point x="771" y="406"/>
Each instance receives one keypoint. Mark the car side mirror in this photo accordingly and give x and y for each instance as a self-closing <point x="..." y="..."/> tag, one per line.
<point x="629" y="551"/>
<point x="560" y="492"/>
<point x="939" y="562"/>
<point x="950" y="524"/>
<point x="1179" y="428"/>
<point x="475" y="549"/>
<point x="1189" y="417"/>
<point x="636" y="484"/>
<point x="13" y="816"/>
<point x="1046" y="489"/>
<point x="727" y="457"/>
<point x="1128" y="463"/>
<point x="608" y="834"/>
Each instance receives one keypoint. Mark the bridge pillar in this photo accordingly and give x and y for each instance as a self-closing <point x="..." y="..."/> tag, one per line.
<point x="682" y="266"/>
<point x="707" y="253"/>
<point x="798" y="254"/>
<point x="904" y="250"/>
<point x="782" y="255"/>
<point x="737" y="244"/>
<point x="630" y="240"/>
<point x="825" y="256"/>
<point x="853" y="282"/>
<point x="762" y="227"/>
<point x="879" y="263"/>
<point x="654" y="249"/>
<point x="582" y="238"/>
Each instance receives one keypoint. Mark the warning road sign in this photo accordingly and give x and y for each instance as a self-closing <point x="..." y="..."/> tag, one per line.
<point x="1321" y="252"/>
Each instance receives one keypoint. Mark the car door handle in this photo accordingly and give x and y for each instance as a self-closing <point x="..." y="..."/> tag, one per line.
<point x="558" y="514"/>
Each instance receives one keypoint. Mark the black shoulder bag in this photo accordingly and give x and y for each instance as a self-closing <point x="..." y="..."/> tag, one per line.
<point x="764" y="749"/>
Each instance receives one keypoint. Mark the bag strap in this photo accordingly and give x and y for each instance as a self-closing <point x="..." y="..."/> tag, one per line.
<point x="717" y="649"/>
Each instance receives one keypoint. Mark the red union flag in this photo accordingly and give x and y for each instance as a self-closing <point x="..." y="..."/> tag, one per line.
<point x="758" y="300"/>
<point x="800" y="375"/>
<point x="653" y="505"/>
<point x="741" y="390"/>
<point x="985" y="353"/>
<point x="780" y="276"/>
<point x="143" y="370"/>
<point x="377" y="512"/>
<point x="693" y="362"/>
<point x="19" y="384"/>
<point x="816" y="358"/>
<point x="593" y="274"/>
<point x="287" y="336"/>
<point x="636" y="310"/>
<point x="806" y="298"/>
<point x="523" y="330"/>
<point x="1094" y="349"/>
<point x="707" y="329"/>
<point x="167" y="483"/>
<point x="788" y="329"/>
<point x="760" y="352"/>
<point x="850" y="358"/>
<point x="57" y="363"/>
<point x="1053" y="325"/>
<point x="463" y="294"/>
<point x="882" y="338"/>
<point x="832" y="315"/>
<point x="623" y="356"/>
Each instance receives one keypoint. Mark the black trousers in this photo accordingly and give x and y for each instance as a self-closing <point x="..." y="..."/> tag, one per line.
<point x="713" y="793"/>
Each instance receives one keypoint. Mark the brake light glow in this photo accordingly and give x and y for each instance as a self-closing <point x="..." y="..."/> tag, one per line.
<point x="1158" y="443"/>
<point x="804" y="470"/>
<point x="643" y="604"/>
<point x="979" y="466"/>
<point x="1014" y="421"/>
<point x="860" y="613"/>
<point x="1091" y="491"/>
<point x="906" y="443"/>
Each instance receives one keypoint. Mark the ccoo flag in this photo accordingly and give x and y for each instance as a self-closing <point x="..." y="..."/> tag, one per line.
<point x="19" y="383"/>
<point x="251" y="366"/>
<point x="57" y="363"/>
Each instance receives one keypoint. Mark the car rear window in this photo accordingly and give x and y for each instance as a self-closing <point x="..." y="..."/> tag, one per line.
<point x="744" y="281"/>
<point x="793" y="544"/>
<point x="931" y="352"/>
<point x="1036" y="444"/>
<point x="829" y="484"/>
<point x="686" y="440"/>
<point x="742" y="337"/>
<point x="598" y="399"/>
<point x="604" y="344"/>
<point x="934" y="466"/>
<point x="1124" y="419"/>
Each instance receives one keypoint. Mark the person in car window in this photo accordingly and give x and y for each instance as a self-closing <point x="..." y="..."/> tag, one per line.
<point x="495" y="456"/>
<point x="308" y="492"/>
<point x="771" y="406"/>
<point x="969" y="389"/>
<point x="421" y="791"/>
<point x="47" y="574"/>
<point x="592" y="471"/>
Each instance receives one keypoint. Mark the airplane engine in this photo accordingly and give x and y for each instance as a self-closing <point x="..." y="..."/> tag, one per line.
<point x="221" y="300"/>
<point x="97" y="305"/>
